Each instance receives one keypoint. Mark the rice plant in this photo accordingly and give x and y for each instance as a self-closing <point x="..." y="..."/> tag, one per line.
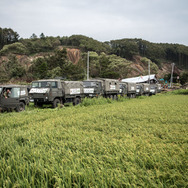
<point x="125" y="143"/>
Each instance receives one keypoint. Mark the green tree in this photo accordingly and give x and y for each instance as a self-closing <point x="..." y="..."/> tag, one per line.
<point x="33" y="36"/>
<point x="8" y="36"/>
<point x="42" y="36"/>
<point x="14" y="68"/>
<point x="184" y="77"/>
<point x="39" y="68"/>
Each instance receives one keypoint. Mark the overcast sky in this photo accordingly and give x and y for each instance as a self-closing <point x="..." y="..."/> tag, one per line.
<point x="104" y="20"/>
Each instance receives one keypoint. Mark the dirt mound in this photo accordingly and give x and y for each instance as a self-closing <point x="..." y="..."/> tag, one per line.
<point x="139" y="68"/>
<point x="74" y="55"/>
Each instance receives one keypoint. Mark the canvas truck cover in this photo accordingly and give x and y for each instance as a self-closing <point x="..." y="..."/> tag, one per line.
<point x="72" y="87"/>
<point x="131" y="87"/>
<point x="111" y="85"/>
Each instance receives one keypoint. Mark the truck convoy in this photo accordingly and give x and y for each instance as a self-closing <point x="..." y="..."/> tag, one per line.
<point x="57" y="92"/>
<point x="13" y="97"/>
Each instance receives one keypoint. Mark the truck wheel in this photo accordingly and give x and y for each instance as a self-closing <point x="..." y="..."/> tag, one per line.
<point x="56" y="102"/>
<point x="20" y="107"/>
<point x="76" y="101"/>
<point x="115" y="97"/>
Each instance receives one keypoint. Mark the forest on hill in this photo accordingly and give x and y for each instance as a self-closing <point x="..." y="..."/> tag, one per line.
<point x="48" y="57"/>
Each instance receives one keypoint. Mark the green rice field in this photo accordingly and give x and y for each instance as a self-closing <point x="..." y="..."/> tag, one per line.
<point x="140" y="142"/>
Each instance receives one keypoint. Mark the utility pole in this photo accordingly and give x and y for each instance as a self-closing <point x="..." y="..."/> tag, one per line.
<point x="171" y="79"/>
<point x="149" y="71"/>
<point x="88" y="65"/>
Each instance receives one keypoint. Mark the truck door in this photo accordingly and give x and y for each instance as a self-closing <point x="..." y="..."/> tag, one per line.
<point x="13" y="98"/>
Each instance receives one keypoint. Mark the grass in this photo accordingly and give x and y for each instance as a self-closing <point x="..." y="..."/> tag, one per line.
<point x="130" y="143"/>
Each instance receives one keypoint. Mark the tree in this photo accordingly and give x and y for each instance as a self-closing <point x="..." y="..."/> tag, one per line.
<point x="33" y="36"/>
<point x="39" y="68"/>
<point x="8" y="36"/>
<point x="184" y="77"/>
<point x="14" y="68"/>
<point x="42" y="36"/>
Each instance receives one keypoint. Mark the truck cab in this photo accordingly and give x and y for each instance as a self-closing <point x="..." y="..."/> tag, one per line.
<point x="123" y="89"/>
<point x="131" y="89"/>
<point x="146" y="89"/>
<point x="153" y="89"/>
<point x="139" y="89"/>
<point x="93" y="88"/>
<point x="45" y="91"/>
<point x="159" y="88"/>
<point x="55" y="92"/>
<point x="13" y="97"/>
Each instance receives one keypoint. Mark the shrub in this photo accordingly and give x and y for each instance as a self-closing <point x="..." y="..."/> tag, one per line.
<point x="15" y="48"/>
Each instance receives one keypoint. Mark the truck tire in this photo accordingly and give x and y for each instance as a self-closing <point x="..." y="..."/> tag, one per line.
<point x="56" y="102"/>
<point x="115" y="97"/>
<point x="20" y="107"/>
<point x="76" y="101"/>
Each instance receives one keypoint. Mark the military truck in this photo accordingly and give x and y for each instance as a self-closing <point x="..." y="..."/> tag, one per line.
<point x="142" y="89"/>
<point x="153" y="89"/>
<point x="13" y="97"/>
<point x="56" y="91"/>
<point x="110" y="88"/>
<point x="93" y="88"/>
<point x="131" y="89"/>
<point x="123" y="89"/>
<point x="139" y="89"/>
<point x="158" y="88"/>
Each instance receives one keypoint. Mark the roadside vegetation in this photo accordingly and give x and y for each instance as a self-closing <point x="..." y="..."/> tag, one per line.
<point x="139" y="142"/>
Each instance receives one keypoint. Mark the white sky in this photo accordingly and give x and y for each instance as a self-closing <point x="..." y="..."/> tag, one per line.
<point x="104" y="20"/>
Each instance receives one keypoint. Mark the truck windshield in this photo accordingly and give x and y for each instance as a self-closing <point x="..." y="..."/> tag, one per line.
<point x="44" y="84"/>
<point x="14" y="93"/>
<point x="89" y="84"/>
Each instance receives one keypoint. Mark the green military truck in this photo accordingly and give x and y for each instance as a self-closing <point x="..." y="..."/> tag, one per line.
<point x="142" y="89"/>
<point x="13" y="97"/>
<point x="158" y="88"/>
<point x="153" y="89"/>
<point x="130" y="90"/>
<point x="93" y="88"/>
<point x="55" y="92"/>
<point x="108" y="88"/>
<point x="123" y="90"/>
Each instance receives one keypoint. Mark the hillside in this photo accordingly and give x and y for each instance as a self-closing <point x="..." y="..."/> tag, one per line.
<point x="47" y="57"/>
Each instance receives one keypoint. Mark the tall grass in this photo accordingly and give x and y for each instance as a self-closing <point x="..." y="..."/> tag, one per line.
<point x="128" y="143"/>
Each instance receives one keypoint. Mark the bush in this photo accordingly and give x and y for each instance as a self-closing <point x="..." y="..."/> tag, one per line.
<point x="184" y="78"/>
<point x="15" y="48"/>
